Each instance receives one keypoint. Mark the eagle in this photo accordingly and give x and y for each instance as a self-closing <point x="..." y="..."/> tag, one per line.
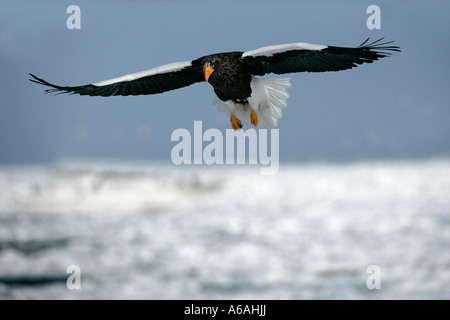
<point x="234" y="76"/>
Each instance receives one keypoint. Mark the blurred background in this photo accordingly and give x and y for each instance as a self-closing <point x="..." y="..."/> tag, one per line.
<point x="364" y="175"/>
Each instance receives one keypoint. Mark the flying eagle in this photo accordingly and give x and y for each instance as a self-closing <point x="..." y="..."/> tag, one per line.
<point x="257" y="101"/>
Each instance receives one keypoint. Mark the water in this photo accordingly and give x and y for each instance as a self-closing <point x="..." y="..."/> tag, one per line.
<point x="163" y="232"/>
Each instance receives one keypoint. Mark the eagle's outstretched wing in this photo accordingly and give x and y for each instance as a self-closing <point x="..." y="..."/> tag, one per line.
<point x="304" y="57"/>
<point x="160" y="79"/>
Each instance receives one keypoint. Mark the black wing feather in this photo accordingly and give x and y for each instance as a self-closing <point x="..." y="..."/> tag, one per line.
<point x="152" y="84"/>
<point x="329" y="59"/>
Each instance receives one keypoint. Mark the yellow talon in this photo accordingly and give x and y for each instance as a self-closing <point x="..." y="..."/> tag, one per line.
<point x="254" y="118"/>
<point x="235" y="122"/>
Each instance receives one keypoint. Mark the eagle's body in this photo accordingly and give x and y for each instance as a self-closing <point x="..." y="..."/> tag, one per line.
<point x="232" y="81"/>
<point x="233" y="77"/>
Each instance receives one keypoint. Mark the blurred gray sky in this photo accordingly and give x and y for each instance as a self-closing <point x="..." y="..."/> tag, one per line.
<point x="396" y="107"/>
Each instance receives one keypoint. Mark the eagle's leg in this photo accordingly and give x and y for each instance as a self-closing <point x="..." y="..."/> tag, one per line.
<point x="236" y="124"/>
<point x="254" y="118"/>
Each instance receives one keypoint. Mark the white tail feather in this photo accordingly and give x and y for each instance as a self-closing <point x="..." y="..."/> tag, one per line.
<point x="268" y="98"/>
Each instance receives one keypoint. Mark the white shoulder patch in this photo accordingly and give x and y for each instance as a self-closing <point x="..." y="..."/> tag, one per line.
<point x="271" y="50"/>
<point x="176" y="66"/>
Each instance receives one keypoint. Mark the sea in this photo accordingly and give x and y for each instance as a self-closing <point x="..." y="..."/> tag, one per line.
<point x="377" y="229"/>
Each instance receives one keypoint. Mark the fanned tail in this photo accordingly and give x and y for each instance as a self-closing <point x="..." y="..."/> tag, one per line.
<point x="268" y="99"/>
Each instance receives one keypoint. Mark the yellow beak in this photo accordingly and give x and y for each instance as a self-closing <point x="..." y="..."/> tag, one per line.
<point x="207" y="71"/>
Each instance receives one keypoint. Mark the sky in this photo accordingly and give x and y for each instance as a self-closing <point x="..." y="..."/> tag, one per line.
<point x="397" y="107"/>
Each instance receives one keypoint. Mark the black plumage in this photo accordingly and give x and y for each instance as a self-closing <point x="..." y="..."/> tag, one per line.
<point x="153" y="84"/>
<point x="231" y="77"/>
<point x="329" y="59"/>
